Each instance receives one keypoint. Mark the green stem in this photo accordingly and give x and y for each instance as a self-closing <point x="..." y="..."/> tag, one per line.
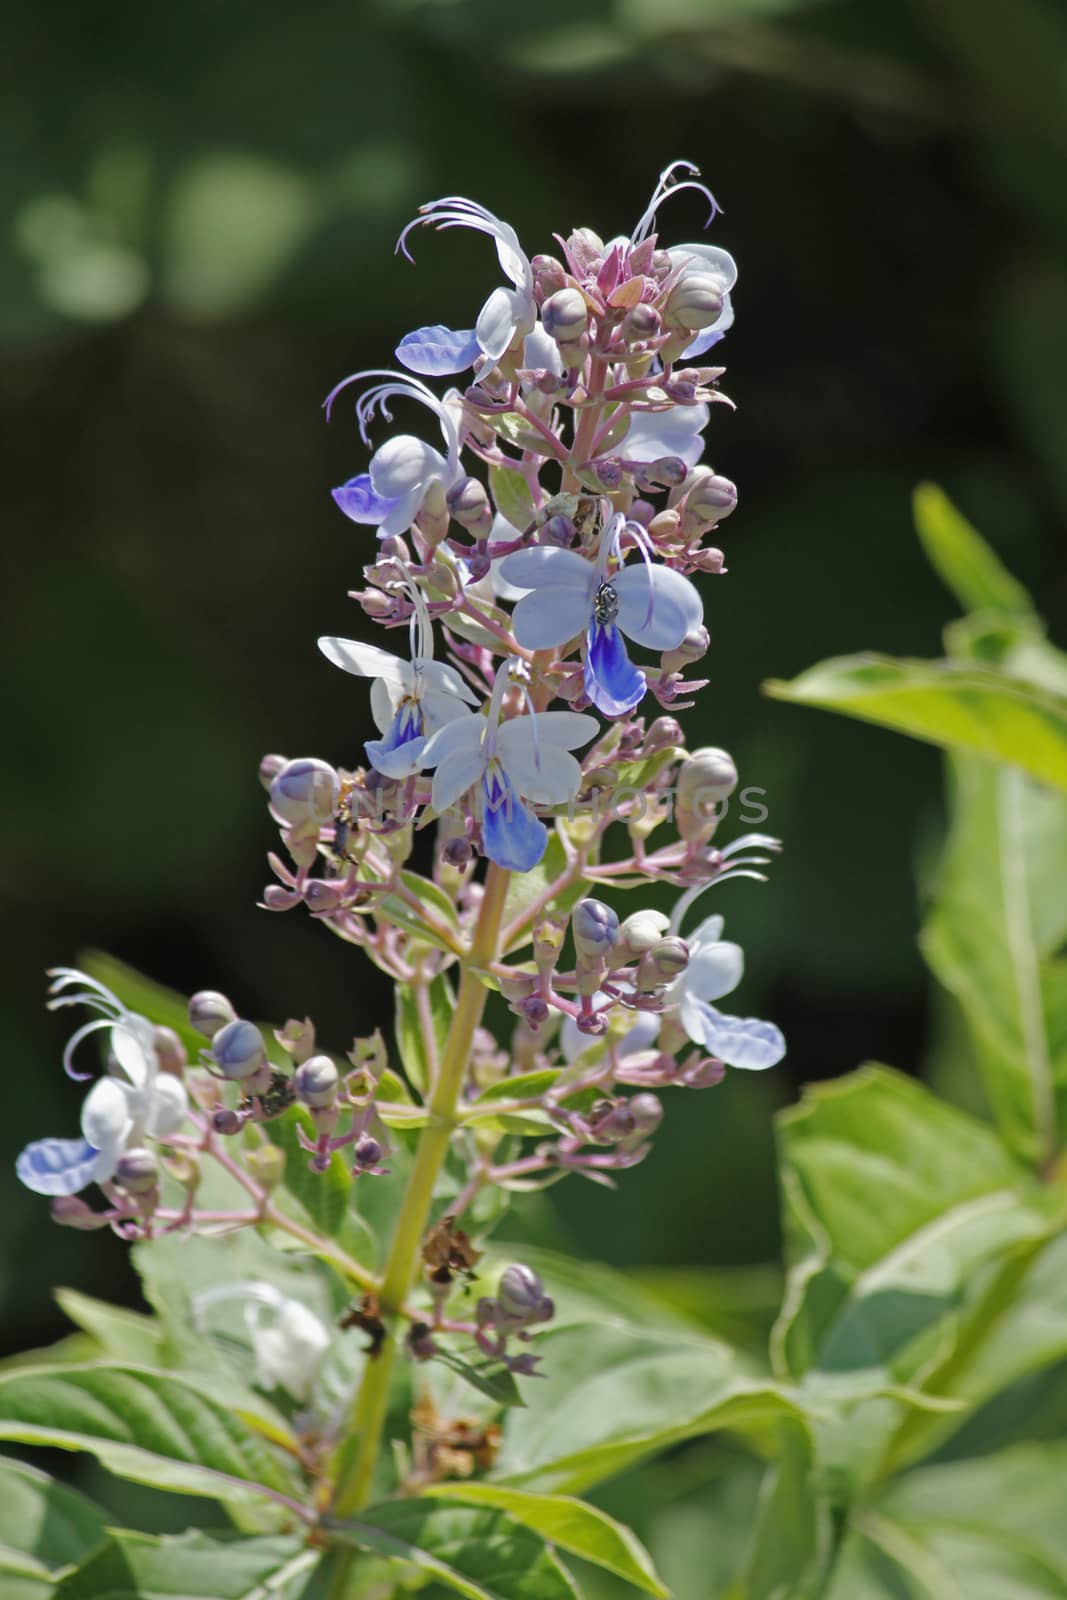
<point x="368" y="1415"/>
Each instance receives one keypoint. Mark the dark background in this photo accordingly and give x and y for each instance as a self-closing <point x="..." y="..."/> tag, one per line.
<point x="201" y="204"/>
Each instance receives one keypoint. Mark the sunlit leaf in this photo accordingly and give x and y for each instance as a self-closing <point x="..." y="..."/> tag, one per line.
<point x="192" y="1566"/>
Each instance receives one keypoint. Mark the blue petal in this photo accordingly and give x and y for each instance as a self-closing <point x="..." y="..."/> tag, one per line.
<point x="702" y="343"/>
<point x="511" y="835"/>
<point x="438" y="352"/>
<point x="358" y="500"/>
<point x="405" y="726"/>
<point x="57" y="1166"/>
<point x="741" y="1041"/>
<point x="612" y="682"/>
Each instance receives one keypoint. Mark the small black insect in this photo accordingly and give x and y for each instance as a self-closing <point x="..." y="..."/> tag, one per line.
<point x="278" y="1098"/>
<point x="605" y="605"/>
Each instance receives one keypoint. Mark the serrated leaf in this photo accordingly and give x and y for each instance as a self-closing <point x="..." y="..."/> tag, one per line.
<point x="191" y="1566"/>
<point x="512" y="497"/>
<point x="44" y="1526"/>
<point x="962" y="558"/>
<point x="569" y="1524"/>
<point x="153" y="1427"/>
<point x="421" y="1036"/>
<point x="944" y="703"/>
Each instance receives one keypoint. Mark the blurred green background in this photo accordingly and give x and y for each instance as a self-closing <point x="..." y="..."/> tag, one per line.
<point x="200" y="208"/>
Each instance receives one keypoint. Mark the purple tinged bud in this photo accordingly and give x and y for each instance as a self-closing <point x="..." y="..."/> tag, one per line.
<point x="227" y="1122"/>
<point x="592" y="1023"/>
<point x="665" y="961"/>
<point x="644" y="322"/>
<point x="468" y="503"/>
<point x="209" y="1011"/>
<point x="71" y="1211"/>
<point x="565" y="315"/>
<point x="683" y="391"/>
<point x="642" y="931"/>
<point x="534" y="1011"/>
<point x="709" y="500"/>
<point x="170" y="1051"/>
<point x="276" y="898"/>
<point x="586" y="249"/>
<point x="238" y="1050"/>
<point x="549" y="276"/>
<point x="664" y="734"/>
<point x="458" y="852"/>
<point x="707" y="779"/>
<point x="478" y="565"/>
<point x="669" y="471"/>
<point x="315" y="1082"/>
<point x="707" y="1074"/>
<point x="612" y="1121"/>
<point x="379" y="607"/>
<point x="609" y="473"/>
<point x="647" y="1112"/>
<point x="269" y="769"/>
<point x="557" y="531"/>
<point x="693" y="647"/>
<point x="521" y="1295"/>
<point x="695" y="302"/>
<point x="137" y="1171"/>
<point x="595" y="928"/>
<point x="368" y="1152"/>
<point x="322" y="896"/>
<point x="305" y="791"/>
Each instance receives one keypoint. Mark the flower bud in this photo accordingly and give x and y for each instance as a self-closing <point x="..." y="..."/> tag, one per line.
<point x="647" y="1112"/>
<point x="549" y="276"/>
<point x="170" y="1052"/>
<point x="321" y="896"/>
<point x="137" y="1171"/>
<point x="586" y="249"/>
<point x="305" y="791"/>
<point x="643" y="322"/>
<point x="663" y="963"/>
<point x="315" y="1082"/>
<point x="209" y="1011"/>
<point x="269" y="769"/>
<point x="695" y="302"/>
<point x="612" y="1121"/>
<point x="664" y="734"/>
<point x="227" y="1122"/>
<point x="368" y="1153"/>
<point x="608" y="472"/>
<point x="266" y="1164"/>
<point x="706" y="779"/>
<point x="468" y="503"/>
<point x="238" y="1049"/>
<point x="706" y="1074"/>
<point x="534" y="1011"/>
<point x="683" y="391"/>
<point x="71" y="1211"/>
<point x="667" y="473"/>
<point x="710" y="560"/>
<point x="693" y="647"/>
<point x="521" y="1295"/>
<point x="595" y="928"/>
<point x="565" y="315"/>
<point x="557" y="531"/>
<point x="710" y="498"/>
<point x="278" y="898"/>
<point x="641" y="931"/>
<point x="457" y="852"/>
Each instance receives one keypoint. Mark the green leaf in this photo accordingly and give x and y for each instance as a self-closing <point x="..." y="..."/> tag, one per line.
<point x="482" y="1554"/>
<point x="123" y="1335"/>
<point x="998" y="913"/>
<point x="153" y="1427"/>
<point x="44" y="1526"/>
<point x="523" y="1086"/>
<point x="489" y="1376"/>
<point x="611" y="1395"/>
<point x="883" y="1561"/>
<point x="957" y="707"/>
<point x="511" y="494"/>
<point x="792" y="1539"/>
<point x="571" y="1525"/>
<point x="396" y="910"/>
<point x="191" y="1566"/>
<point x="421" y="1035"/>
<point x="737" y="1304"/>
<point x="962" y="558"/>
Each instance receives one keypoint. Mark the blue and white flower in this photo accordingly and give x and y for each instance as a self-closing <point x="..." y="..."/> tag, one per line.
<point x="409" y="700"/>
<point x="706" y="259"/>
<point x="715" y="968"/>
<point x="510" y="765"/>
<point x="135" y="1098"/>
<point x="507" y="315"/>
<point x="570" y="596"/>
<point x="406" y="469"/>
<point x="652" y="435"/>
<point x="288" y="1339"/>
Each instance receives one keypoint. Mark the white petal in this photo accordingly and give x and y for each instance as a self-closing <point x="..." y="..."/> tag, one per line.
<point x="403" y="513"/>
<point x="133" y="1047"/>
<point x="745" y="1042"/>
<point x="714" y="970"/>
<point x="654" y="434"/>
<point x="385" y="697"/>
<point x="718" y="264"/>
<point x="565" y="730"/>
<point x="168" y="1107"/>
<point x="547" y="617"/>
<point x="707" y="932"/>
<point x="440" y="708"/>
<point x="438" y="675"/>
<point x="403" y="464"/>
<point x="541" y="352"/>
<point x="455" y="775"/>
<point x="367" y="661"/>
<point x="659" y="621"/>
<point x="506" y="315"/>
<point x="545" y="776"/>
<point x="544" y="564"/>
<point x="464" y="733"/>
<point x="106" y="1119"/>
<point x="403" y="762"/>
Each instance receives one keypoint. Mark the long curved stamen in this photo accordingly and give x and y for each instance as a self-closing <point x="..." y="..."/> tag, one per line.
<point x="95" y="994"/>
<point x="668" y="185"/>
<point x="420" y="629"/>
<point x="75" y="1040"/>
<point x="736" y="870"/>
<point x="644" y="545"/>
<point x="608" y="546"/>
<point x="501" y="684"/>
<point x="454" y="211"/>
<point x="751" y="841"/>
<point x="378" y="397"/>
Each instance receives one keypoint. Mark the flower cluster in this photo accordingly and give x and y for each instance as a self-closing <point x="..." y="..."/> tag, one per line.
<point x="538" y="558"/>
